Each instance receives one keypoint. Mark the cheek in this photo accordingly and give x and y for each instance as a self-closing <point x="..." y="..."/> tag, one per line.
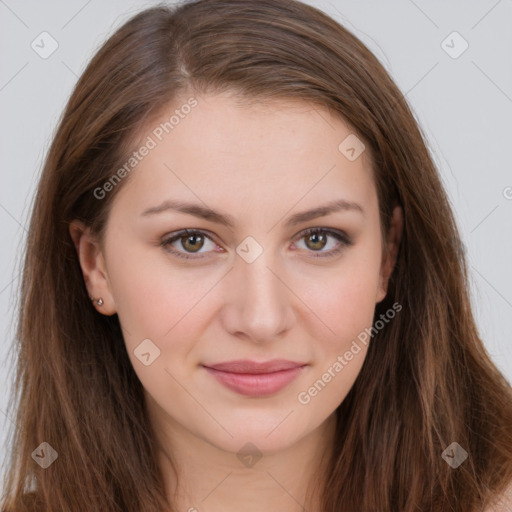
<point x="142" y="295"/>
<point x="159" y="310"/>
<point x="346" y="307"/>
<point x="345" y="303"/>
<point x="158" y="301"/>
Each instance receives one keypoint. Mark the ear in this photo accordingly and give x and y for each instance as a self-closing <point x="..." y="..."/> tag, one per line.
<point x="93" y="267"/>
<point x="390" y="252"/>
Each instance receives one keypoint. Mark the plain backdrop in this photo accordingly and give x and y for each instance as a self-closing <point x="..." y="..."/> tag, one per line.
<point x="458" y="85"/>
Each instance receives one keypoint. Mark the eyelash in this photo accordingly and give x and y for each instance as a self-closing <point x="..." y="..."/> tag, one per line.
<point x="340" y="236"/>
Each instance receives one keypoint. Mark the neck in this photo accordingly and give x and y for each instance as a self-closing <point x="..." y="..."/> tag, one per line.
<point x="209" y="479"/>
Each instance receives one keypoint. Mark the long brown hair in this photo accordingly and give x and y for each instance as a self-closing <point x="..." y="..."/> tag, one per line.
<point x="427" y="380"/>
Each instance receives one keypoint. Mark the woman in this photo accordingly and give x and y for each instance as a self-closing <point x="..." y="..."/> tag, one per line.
<point x="243" y="287"/>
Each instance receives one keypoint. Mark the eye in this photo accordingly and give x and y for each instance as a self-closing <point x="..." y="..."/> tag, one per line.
<point x="192" y="241"/>
<point x="316" y="239"/>
<point x="189" y="240"/>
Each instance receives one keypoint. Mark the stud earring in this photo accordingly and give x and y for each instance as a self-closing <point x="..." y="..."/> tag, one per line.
<point x="99" y="301"/>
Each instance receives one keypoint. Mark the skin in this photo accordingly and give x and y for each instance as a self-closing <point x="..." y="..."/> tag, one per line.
<point x="260" y="163"/>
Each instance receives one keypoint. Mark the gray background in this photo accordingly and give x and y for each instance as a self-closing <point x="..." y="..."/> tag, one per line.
<point x="463" y="104"/>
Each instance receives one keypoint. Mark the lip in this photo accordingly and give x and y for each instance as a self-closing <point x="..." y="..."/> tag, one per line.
<point x="251" y="378"/>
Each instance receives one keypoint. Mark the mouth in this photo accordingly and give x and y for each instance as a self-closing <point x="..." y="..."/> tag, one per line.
<point x="255" y="379"/>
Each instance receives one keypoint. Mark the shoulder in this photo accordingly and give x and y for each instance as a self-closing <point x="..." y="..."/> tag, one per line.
<point x="503" y="502"/>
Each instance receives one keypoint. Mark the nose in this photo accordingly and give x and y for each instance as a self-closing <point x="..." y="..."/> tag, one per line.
<point x="259" y="304"/>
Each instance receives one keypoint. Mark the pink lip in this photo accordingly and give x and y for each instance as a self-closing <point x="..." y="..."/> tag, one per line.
<point x="250" y="378"/>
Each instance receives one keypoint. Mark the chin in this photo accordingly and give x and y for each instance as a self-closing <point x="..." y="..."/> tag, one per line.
<point x="266" y="433"/>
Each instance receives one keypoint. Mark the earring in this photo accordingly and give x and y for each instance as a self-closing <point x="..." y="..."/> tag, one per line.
<point x="99" y="301"/>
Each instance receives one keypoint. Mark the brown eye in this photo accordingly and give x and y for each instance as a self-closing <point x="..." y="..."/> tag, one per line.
<point x="316" y="241"/>
<point x="192" y="242"/>
<point x="188" y="244"/>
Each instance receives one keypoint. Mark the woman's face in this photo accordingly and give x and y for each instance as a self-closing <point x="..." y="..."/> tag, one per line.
<point x="259" y="290"/>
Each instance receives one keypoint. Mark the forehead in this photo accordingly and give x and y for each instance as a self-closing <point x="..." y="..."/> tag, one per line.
<point x="252" y="153"/>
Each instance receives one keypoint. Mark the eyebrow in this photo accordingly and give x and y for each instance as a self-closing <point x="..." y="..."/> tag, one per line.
<point x="228" y="220"/>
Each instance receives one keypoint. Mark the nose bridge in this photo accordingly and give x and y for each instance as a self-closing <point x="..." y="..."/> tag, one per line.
<point x="259" y="302"/>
